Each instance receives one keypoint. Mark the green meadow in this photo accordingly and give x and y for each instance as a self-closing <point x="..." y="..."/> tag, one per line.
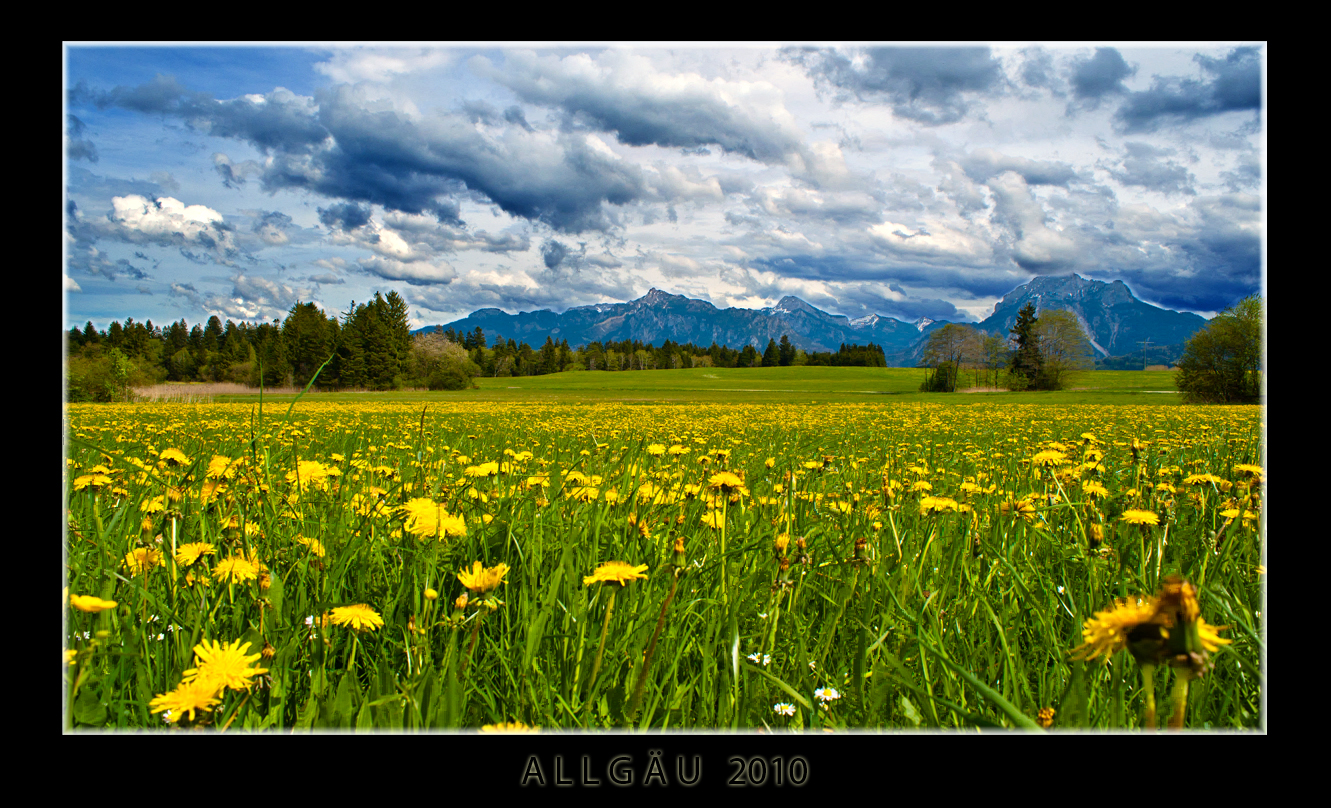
<point x="805" y="385"/>
<point x="786" y="549"/>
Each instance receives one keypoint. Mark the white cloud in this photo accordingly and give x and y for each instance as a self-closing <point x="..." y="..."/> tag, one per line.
<point x="931" y="240"/>
<point x="413" y="272"/>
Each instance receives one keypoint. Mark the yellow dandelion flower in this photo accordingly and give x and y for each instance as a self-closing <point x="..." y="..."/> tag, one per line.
<point x="713" y="519"/>
<point x="236" y="569"/>
<point x="936" y="505"/>
<point x="90" y="603"/>
<point x="481" y="580"/>
<point x="154" y="505"/>
<point x="1108" y="631"/>
<point x="309" y="473"/>
<point x="1139" y="517"/>
<point x="618" y="572"/>
<point x="221" y="467"/>
<point x="582" y="493"/>
<point x="223" y="666"/>
<point x="1094" y="489"/>
<point x="725" y="482"/>
<point x="1050" y="457"/>
<point x="142" y="559"/>
<point x="315" y="545"/>
<point x="187" y="554"/>
<point x="509" y="726"/>
<point x="482" y="470"/>
<point x="174" y="457"/>
<point x="358" y="617"/>
<point x="185" y="700"/>
<point x="656" y="449"/>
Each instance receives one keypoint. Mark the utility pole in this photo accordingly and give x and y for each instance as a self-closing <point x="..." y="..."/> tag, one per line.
<point x="1146" y="343"/>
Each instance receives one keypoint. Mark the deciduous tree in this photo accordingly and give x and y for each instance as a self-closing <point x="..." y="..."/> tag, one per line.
<point x="1223" y="363"/>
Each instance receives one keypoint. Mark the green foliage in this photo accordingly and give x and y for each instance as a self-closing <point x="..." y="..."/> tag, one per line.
<point x="1063" y="348"/>
<point x="1024" y="364"/>
<point x="1222" y="363"/>
<point x="943" y="379"/>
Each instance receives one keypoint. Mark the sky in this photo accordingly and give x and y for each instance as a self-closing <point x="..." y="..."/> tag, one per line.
<point x="865" y="178"/>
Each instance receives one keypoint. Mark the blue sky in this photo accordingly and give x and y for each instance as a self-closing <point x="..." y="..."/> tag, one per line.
<point x="865" y="178"/>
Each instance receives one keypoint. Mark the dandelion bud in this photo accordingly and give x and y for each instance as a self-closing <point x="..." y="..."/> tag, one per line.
<point x="461" y="602"/>
<point x="431" y="595"/>
<point x="1097" y="533"/>
<point x="678" y="560"/>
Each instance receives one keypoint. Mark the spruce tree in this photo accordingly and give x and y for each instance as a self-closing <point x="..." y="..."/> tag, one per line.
<point x="1025" y="362"/>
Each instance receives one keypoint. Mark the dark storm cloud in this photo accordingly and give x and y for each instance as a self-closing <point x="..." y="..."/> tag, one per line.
<point x="278" y="122"/>
<point x="1233" y="83"/>
<point x="679" y="114"/>
<point x="76" y="147"/>
<point x="514" y="116"/>
<point x="1100" y="75"/>
<point x="343" y="147"/>
<point x="553" y="254"/>
<point x="926" y="85"/>
<point x="344" y="216"/>
<point x="1146" y="167"/>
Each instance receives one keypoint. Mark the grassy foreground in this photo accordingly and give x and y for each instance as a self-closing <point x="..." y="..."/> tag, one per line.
<point x="350" y="563"/>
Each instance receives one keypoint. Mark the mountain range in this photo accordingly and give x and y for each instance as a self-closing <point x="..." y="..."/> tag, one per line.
<point x="1113" y="319"/>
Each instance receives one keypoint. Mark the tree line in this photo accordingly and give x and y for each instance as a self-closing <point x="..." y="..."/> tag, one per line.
<point x="368" y="347"/>
<point x="1039" y="353"/>
<point x="371" y="347"/>
<point x="512" y="358"/>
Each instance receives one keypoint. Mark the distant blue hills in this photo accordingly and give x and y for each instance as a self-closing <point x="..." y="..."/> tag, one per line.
<point x="1113" y="319"/>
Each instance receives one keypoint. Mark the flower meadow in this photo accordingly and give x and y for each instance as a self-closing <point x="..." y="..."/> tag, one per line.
<point x="522" y="566"/>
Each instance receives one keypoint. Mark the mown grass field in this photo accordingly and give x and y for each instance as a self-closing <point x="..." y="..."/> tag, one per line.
<point x="879" y="560"/>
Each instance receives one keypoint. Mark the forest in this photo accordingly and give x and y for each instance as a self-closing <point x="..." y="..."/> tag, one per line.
<point x="371" y="347"/>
